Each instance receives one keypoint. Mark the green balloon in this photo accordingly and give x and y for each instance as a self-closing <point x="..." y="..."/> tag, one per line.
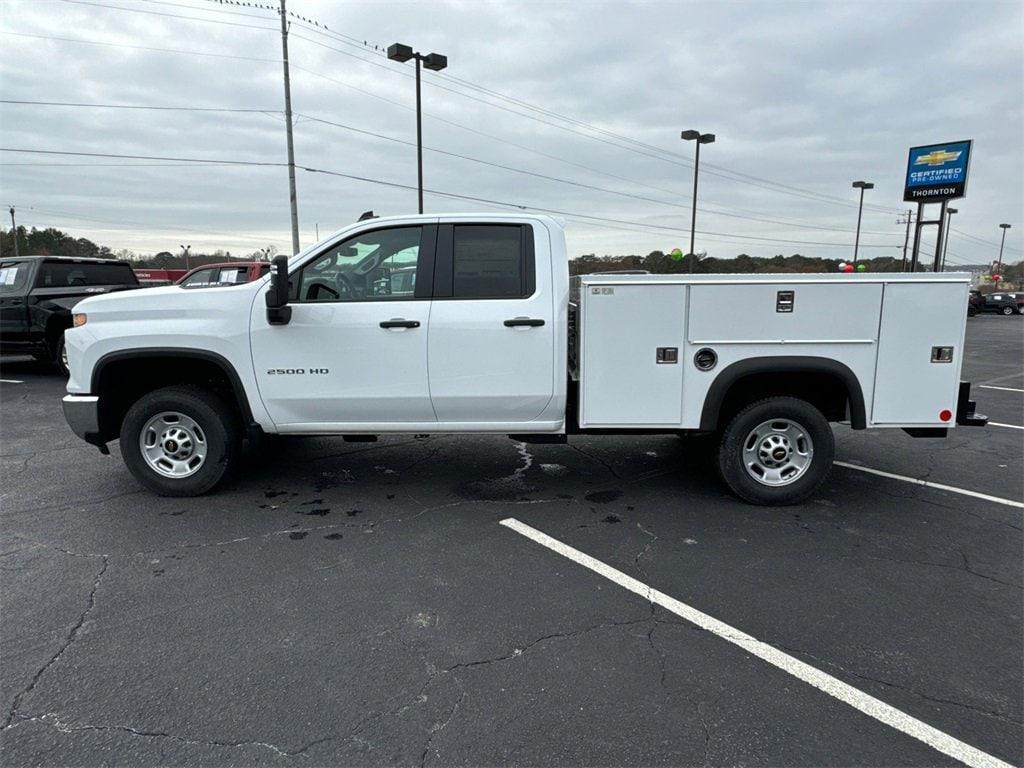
<point x="862" y="267"/>
<point x="677" y="255"/>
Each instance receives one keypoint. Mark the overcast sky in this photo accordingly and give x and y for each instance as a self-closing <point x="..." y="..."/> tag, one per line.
<point x="808" y="95"/>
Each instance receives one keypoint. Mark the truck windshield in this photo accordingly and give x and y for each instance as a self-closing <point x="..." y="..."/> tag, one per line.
<point x="67" y="274"/>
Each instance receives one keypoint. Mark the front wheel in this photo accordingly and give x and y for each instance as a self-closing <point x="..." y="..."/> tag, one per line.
<point x="776" y="451"/>
<point x="1007" y="310"/>
<point x="180" y="441"/>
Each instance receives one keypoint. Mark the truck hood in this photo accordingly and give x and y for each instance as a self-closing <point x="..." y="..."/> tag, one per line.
<point x="167" y="299"/>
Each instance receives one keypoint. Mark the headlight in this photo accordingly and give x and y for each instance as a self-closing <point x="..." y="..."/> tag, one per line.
<point x="79" y="319"/>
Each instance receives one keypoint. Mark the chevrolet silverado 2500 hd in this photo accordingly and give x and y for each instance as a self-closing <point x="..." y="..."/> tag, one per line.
<point x="469" y="323"/>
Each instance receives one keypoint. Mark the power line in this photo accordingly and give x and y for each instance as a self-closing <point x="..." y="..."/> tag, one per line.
<point x="135" y="106"/>
<point x="631" y="144"/>
<point x="169" y="15"/>
<point x="441" y="193"/>
<point x="636" y="146"/>
<point x="449" y="122"/>
<point x="138" y="47"/>
<point x="446" y="153"/>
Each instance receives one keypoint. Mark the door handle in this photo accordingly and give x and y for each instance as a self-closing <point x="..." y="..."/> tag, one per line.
<point x="397" y="322"/>
<point x="515" y="322"/>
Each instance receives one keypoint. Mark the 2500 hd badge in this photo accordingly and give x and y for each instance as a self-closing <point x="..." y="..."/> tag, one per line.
<point x="296" y="371"/>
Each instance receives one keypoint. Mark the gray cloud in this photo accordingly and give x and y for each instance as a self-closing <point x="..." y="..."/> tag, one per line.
<point x="812" y="95"/>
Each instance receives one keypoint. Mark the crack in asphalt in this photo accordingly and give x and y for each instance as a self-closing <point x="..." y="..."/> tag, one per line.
<point x="889" y="684"/>
<point x="71" y="637"/>
<point x="53" y="721"/>
<point x="438" y="727"/>
<point x="611" y="470"/>
<point x="964" y="567"/>
<point x="86" y="503"/>
<point x="517" y="652"/>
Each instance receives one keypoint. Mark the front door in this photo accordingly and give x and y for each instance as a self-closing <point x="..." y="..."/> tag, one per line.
<point x="355" y="352"/>
<point x="492" y="325"/>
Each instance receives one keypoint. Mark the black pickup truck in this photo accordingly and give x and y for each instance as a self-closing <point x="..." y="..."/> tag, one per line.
<point x="38" y="293"/>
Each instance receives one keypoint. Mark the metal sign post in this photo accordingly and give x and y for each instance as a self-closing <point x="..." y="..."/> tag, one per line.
<point x="936" y="173"/>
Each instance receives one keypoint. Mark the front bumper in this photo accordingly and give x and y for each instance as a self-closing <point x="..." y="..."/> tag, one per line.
<point x="82" y="413"/>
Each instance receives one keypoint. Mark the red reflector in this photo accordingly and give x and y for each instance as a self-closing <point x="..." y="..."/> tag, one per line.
<point x="945" y="415"/>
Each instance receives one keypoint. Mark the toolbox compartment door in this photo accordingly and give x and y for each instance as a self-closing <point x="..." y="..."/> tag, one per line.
<point x="622" y="382"/>
<point x="910" y="389"/>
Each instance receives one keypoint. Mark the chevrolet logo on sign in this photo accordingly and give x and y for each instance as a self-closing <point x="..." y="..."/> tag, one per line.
<point x="937" y="157"/>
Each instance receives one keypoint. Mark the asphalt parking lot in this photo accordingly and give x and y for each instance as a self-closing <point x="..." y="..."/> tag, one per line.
<point x="348" y="603"/>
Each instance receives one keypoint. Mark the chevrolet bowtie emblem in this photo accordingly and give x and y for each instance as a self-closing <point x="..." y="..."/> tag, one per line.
<point x="937" y="157"/>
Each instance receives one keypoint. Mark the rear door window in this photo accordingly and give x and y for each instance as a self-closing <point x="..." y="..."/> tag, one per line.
<point x="13" y="277"/>
<point x="488" y="262"/>
<point x="232" y="275"/>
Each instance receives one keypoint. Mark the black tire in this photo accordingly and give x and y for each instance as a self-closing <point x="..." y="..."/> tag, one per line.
<point x="734" y="473"/>
<point x="220" y="433"/>
<point x="1007" y="310"/>
<point x="59" y="359"/>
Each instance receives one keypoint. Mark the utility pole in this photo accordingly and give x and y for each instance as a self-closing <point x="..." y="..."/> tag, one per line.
<point x="288" y="125"/>
<point x="906" y="237"/>
<point x="184" y="252"/>
<point x="13" y="230"/>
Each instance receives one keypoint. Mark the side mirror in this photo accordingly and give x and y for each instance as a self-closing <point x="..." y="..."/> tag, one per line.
<point x="278" y="311"/>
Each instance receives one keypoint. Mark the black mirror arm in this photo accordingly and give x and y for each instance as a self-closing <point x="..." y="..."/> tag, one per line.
<point x="278" y="311"/>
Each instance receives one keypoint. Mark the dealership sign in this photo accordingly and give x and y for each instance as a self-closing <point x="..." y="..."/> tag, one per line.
<point x="937" y="172"/>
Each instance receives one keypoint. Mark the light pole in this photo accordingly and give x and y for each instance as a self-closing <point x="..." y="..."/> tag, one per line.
<point x="999" y="268"/>
<point x="861" y="185"/>
<point x="14" y="231"/>
<point x="184" y="252"/>
<point x="945" y="245"/>
<point x="436" y="62"/>
<point x="699" y="138"/>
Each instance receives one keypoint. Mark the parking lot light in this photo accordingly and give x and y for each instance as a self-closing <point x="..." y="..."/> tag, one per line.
<point x="861" y="185"/>
<point x="435" y="62"/>
<point x="698" y="138"/>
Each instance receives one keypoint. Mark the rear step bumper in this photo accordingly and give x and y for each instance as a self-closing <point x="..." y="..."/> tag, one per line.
<point x="965" y="413"/>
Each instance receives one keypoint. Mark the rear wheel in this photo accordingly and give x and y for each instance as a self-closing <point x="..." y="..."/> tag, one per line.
<point x="1007" y="310"/>
<point x="180" y="441"/>
<point x="776" y="451"/>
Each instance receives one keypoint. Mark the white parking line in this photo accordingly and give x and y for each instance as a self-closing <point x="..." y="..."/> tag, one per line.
<point x="1004" y="389"/>
<point x="929" y="484"/>
<point x="1007" y="426"/>
<point x="11" y="381"/>
<point x="834" y="687"/>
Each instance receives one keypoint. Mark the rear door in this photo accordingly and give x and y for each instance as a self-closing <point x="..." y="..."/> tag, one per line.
<point x="491" y="341"/>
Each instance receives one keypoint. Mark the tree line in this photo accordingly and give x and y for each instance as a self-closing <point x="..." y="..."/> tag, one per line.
<point x="54" y="242"/>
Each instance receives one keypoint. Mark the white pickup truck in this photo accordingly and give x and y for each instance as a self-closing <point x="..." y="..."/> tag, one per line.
<point x="469" y="323"/>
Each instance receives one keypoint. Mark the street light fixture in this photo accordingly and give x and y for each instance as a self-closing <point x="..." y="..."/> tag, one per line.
<point x="433" y="61"/>
<point x="945" y="244"/>
<point x="999" y="268"/>
<point x="861" y="185"/>
<point x="184" y="251"/>
<point x="699" y="138"/>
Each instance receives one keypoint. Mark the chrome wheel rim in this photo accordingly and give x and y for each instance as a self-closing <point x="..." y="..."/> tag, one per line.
<point x="777" y="452"/>
<point x="64" y="357"/>
<point x="173" y="444"/>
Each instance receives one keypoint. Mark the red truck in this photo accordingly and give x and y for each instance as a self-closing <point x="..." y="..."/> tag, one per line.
<point x="227" y="273"/>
